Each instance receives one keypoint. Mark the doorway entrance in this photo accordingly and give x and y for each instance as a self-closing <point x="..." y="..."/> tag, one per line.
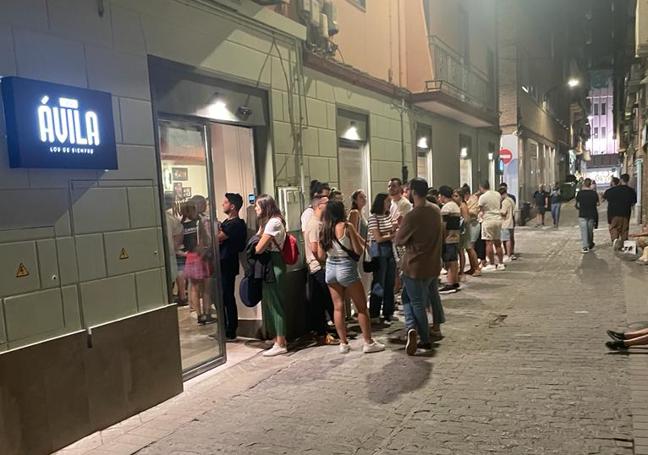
<point x="200" y="161"/>
<point x="353" y="165"/>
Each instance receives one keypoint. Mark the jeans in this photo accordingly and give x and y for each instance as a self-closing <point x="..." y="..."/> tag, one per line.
<point x="555" y="213"/>
<point x="382" y="287"/>
<point x="320" y="302"/>
<point x="229" y="270"/>
<point x="438" y="315"/>
<point x="415" y="299"/>
<point x="587" y="232"/>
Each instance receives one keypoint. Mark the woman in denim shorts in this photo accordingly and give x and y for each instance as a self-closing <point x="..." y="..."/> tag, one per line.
<point x="341" y="246"/>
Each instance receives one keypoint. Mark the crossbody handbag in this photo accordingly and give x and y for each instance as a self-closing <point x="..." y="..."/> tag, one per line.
<point x="352" y="254"/>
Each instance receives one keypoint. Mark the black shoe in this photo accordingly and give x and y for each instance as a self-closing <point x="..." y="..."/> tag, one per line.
<point x="230" y="337"/>
<point x="425" y="346"/>
<point x="209" y="319"/>
<point x="412" y="339"/>
<point x="448" y="289"/>
<point x="202" y="318"/>
<point x="182" y="302"/>
<point x="616" y="336"/>
<point x="592" y="246"/>
<point x="616" y="345"/>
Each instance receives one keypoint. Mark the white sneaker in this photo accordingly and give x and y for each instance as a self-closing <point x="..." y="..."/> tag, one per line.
<point x="373" y="347"/>
<point x="489" y="268"/>
<point x="500" y="267"/>
<point x="507" y="259"/>
<point x="344" y="348"/>
<point x="275" y="350"/>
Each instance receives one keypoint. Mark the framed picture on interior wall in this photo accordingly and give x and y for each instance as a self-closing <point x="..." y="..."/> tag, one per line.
<point x="186" y="191"/>
<point x="180" y="173"/>
<point x="178" y="191"/>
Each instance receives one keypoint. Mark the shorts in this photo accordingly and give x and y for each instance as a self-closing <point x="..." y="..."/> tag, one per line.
<point x="450" y="252"/>
<point x="491" y="230"/>
<point x="506" y="235"/>
<point x="472" y="231"/>
<point x="196" y="268"/>
<point x="342" y="271"/>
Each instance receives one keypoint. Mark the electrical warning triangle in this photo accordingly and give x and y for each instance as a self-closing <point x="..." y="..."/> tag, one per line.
<point x="22" y="271"/>
<point x="123" y="254"/>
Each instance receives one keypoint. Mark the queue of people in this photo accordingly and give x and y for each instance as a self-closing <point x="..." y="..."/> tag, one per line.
<point x="395" y="253"/>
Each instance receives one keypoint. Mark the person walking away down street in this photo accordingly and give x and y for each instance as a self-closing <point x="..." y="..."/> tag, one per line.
<point x="555" y="199"/>
<point x="319" y="298"/>
<point x="232" y="238"/>
<point x="451" y="216"/>
<point x="341" y="246"/>
<point x="490" y="203"/>
<point x="507" y="211"/>
<point x="272" y="234"/>
<point x="421" y="234"/>
<point x="381" y="233"/>
<point x="614" y="181"/>
<point x="587" y="204"/>
<point x="621" y="199"/>
<point x="540" y="201"/>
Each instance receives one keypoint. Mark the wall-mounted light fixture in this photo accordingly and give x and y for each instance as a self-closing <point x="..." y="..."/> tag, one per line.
<point x="422" y="143"/>
<point x="491" y="156"/>
<point x="352" y="133"/>
<point x="218" y="109"/>
<point x="463" y="154"/>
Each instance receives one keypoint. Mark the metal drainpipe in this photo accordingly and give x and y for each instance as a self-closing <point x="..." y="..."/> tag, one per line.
<point x="403" y="147"/>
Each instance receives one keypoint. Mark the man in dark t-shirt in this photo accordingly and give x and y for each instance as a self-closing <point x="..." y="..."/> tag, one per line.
<point x="231" y="237"/>
<point x="587" y="204"/>
<point x="620" y="200"/>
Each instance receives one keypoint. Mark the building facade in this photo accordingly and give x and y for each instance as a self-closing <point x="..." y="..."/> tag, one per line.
<point x="204" y="97"/>
<point x="535" y="97"/>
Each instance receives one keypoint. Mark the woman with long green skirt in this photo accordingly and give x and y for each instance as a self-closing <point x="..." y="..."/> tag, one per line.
<point x="272" y="235"/>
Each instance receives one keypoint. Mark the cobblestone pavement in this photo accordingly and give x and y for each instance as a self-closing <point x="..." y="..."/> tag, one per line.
<point x="522" y="370"/>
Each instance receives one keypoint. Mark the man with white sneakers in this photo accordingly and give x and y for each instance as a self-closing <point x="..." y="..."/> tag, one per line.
<point x="490" y="203"/>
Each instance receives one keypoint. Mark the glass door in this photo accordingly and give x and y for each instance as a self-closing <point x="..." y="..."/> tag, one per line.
<point x="192" y="255"/>
<point x="353" y="167"/>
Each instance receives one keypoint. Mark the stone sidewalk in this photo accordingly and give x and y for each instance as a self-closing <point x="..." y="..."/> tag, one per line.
<point x="523" y="369"/>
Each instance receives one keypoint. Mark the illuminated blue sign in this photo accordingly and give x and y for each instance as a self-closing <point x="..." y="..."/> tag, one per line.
<point x="58" y="126"/>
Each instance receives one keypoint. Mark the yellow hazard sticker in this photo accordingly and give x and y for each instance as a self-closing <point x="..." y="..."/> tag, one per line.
<point x="123" y="254"/>
<point x="22" y="271"/>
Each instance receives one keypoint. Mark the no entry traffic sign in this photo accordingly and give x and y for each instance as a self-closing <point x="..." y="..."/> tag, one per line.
<point x="506" y="156"/>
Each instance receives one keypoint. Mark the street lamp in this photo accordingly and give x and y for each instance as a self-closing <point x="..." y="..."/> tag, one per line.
<point x="573" y="82"/>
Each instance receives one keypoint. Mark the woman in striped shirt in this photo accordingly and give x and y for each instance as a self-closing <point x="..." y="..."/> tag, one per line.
<point x="381" y="232"/>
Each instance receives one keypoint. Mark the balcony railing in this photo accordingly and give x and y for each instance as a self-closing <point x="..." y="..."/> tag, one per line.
<point x="454" y="77"/>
